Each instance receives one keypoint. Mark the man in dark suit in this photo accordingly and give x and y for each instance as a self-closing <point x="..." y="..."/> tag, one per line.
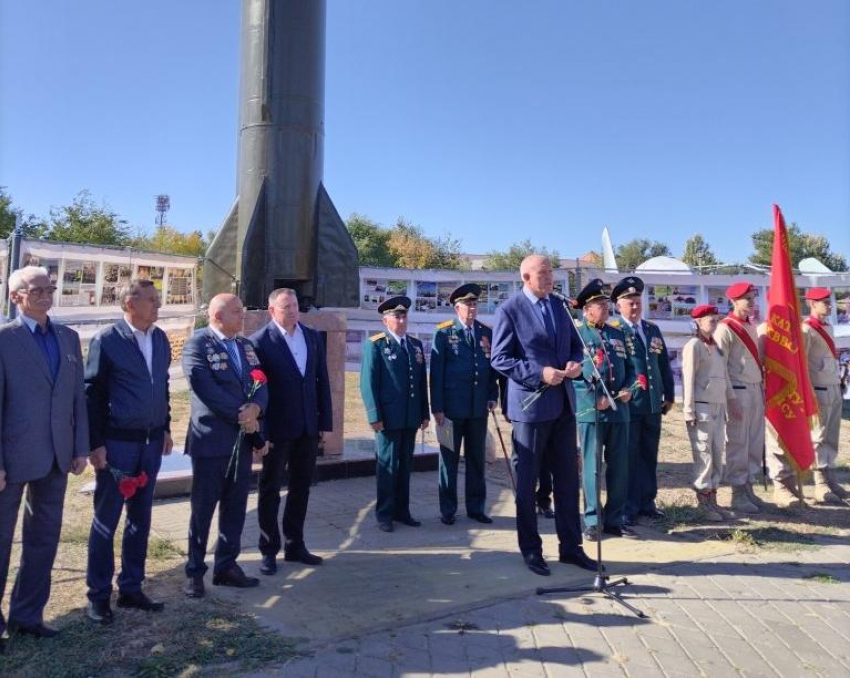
<point x="217" y="365"/>
<point x="129" y="422"/>
<point x="299" y="414"/>
<point x="649" y="357"/>
<point x="395" y="392"/>
<point x="464" y="390"/>
<point x="44" y="432"/>
<point x="535" y="345"/>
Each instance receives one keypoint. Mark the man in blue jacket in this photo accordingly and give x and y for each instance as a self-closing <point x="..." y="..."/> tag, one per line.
<point x="536" y="347"/>
<point x="218" y="366"/>
<point x="464" y="390"/>
<point x="649" y="357"/>
<point x="129" y="417"/>
<point x="395" y="392"/>
<point x="299" y="414"/>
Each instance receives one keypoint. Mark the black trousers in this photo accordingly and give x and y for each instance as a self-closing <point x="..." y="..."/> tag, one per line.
<point x="297" y="457"/>
<point x="213" y="485"/>
<point x="555" y="443"/>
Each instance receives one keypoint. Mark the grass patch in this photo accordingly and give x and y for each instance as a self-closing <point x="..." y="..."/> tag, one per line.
<point x="189" y="637"/>
<point x="162" y="549"/>
<point x="75" y="534"/>
<point x="822" y="578"/>
<point x="679" y="513"/>
<point x="772" y="538"/>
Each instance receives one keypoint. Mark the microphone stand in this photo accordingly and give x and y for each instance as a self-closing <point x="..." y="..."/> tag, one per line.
<point x="601" y="582"/>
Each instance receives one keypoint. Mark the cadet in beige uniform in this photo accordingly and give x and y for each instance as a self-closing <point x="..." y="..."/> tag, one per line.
<point x="705" y="388"/>
<point x="739" y="345"/>
<point x="823" y="371"/>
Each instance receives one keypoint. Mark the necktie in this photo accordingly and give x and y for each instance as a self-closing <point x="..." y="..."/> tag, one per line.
<point x="233" y="352"/>
<point x="639" y="341"/>
<point x="547" y="320"/>
<point x="403" y="344"/>
<point x="469" y="339"/>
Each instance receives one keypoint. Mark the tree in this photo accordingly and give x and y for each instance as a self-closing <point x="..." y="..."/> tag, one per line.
<point x="633" y="253"/>
<point x="84" y="222"/>
<point x="512" y="258"/>
<point x="171" y="241"/>
<point x="371" y="240"/>
<point x="32" y="227"/>
<point x="697" y="252"/>
<point x="410" y="247"/>
<point x="800" y="245"/>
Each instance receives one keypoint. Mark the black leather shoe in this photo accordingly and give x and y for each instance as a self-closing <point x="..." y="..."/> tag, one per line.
<point x="139" y="601"/>
<point x="481" y="518"/>
<point x="36" y="630"/>
<point x="620" y="531"/>
<point x="629" y="520"/>
<point x="100" y="611"/>
<point x="410" y="521"/>
<point x="579" y="559"/>
<point x="447" y="520"/>
<point x="194" y="587"/>
<point x="654" y="513"/>
<point x="303" y="556"/>
<point x="536" y="564"/>
<point x="385" y="526"/>
<point x="591" y="533"/>
<point x="235" y="577"/>
<point x="546" y="512"/>
<point x="269" y="565"/>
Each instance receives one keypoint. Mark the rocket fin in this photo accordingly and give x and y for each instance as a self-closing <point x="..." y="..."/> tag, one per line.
<point x="220" y="258"/>
<point x="338" y="274"/>
<point x="254" y="269"/>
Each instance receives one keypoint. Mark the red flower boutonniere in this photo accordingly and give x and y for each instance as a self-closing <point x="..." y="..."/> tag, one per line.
<point x="642" y="382"/>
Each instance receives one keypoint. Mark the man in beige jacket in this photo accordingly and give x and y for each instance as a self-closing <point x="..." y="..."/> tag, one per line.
<point x="739" y="345"/>
<point x="823" y="372"/>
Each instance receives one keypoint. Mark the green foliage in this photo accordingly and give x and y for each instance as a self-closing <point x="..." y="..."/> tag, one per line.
<point x="371" y="240"/>
<point x="633" y="253"/>
<point x="168" y="239"/>
<point x="697" y="252"/>
<point x="800" y="245"/>
<point x="32" y="227"/>
<point x="512" y="258"/>
<point x="405" y="245"/>
<point x="86" y="223"/>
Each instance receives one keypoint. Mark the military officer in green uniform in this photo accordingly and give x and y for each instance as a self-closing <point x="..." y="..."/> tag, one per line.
<point x="395" y="392"/>
<point x="464" y="389"/>
<point x="606" y="348"/>
<point x="648" y="354"/>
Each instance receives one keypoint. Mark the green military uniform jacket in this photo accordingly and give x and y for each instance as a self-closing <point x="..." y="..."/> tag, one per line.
<point x="462" y="381"/>
<point x="393" y="384"/>
<point x="652" y="361"/>
<point x="607" y="346"/>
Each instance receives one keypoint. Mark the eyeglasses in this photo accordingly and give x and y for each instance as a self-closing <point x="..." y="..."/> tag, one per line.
<point x="38" y="291"/>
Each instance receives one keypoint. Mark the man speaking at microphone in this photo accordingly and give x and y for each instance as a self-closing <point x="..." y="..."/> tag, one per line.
<point x="536" y="346"/>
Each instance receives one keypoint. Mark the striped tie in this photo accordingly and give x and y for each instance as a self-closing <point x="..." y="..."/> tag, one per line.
<point x="233" y="352"/>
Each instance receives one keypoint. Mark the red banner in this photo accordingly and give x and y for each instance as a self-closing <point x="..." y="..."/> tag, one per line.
<point x="790" y="402"/>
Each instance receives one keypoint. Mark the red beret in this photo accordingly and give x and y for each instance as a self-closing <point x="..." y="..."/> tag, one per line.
<point x="703" y="310"/>
<point x="738" y="290"/>
<point x="817" y="293"/>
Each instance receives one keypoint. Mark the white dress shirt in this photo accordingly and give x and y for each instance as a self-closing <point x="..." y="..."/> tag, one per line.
<point x="297" y="344"/>
<point x="145" y="342"/>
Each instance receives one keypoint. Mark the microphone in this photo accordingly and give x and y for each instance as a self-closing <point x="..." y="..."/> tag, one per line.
<point x="561" y="297"/>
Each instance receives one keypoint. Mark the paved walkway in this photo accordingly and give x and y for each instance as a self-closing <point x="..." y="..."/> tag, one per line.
<point x="458" y="601"/>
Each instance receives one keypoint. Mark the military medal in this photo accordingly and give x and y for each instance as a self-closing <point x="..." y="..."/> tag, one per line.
<point x="485" y="346"/>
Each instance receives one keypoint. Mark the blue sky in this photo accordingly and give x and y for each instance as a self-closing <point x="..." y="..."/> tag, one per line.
<point x="487" y="119"/>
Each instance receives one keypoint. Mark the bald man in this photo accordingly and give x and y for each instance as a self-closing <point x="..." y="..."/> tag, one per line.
<point x="537" y="348"/>
<point x="217" y="364"/>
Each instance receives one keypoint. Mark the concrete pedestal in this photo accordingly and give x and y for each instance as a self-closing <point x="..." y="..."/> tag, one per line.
<point x="333" y="324"/>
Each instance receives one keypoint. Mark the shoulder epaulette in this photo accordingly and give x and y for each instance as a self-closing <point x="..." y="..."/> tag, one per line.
<point x="484" y="324"/>
<point x="615" y="323"/>
<point x="650" y="323"/>
<point x="445" y="324"/>
<point x="379" y="335"/>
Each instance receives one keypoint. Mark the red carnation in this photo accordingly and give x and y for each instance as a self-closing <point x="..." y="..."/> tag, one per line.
<point x="141" y="479"/>
<point x="127" y="487"/>
<point x="599" y="359"/>
<point x="642" y="382"/>
<point x="259" y="376"/>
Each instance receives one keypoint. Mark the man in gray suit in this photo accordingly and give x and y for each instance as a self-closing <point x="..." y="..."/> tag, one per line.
<point x="43" y="434"/>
